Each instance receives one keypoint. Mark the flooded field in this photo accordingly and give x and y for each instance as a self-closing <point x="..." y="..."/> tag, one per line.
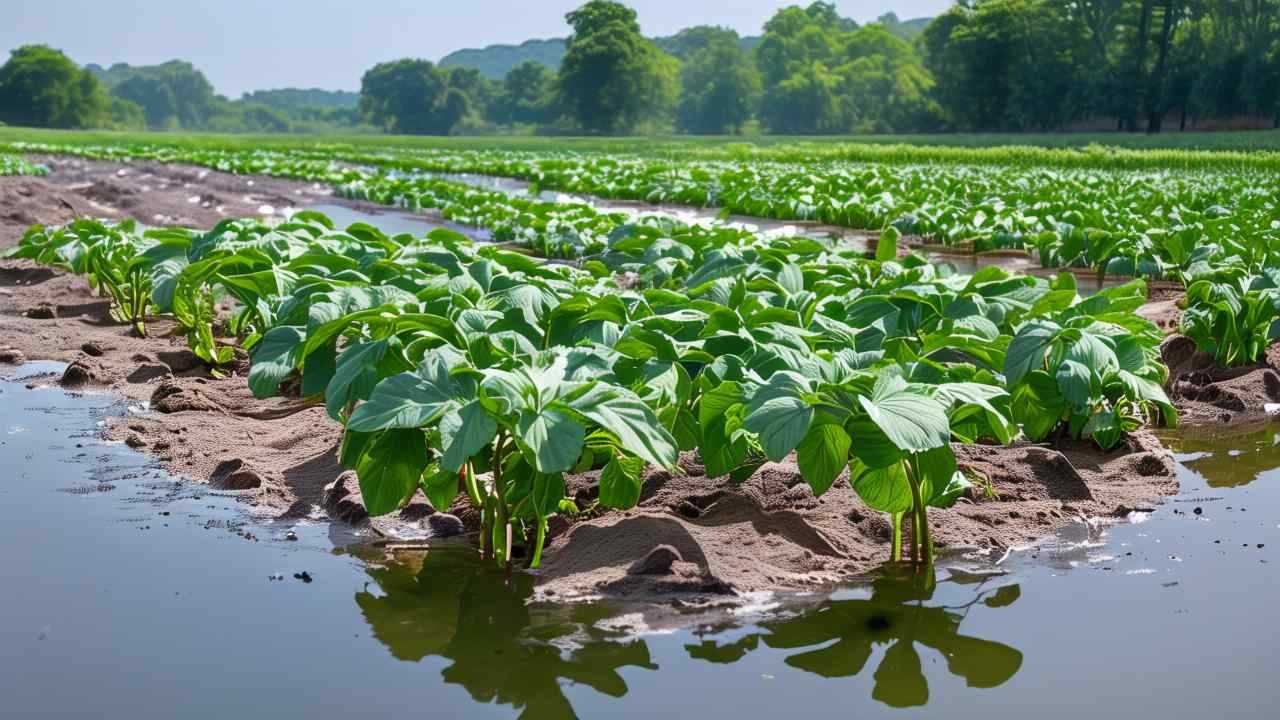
<point x="146" y="593"/>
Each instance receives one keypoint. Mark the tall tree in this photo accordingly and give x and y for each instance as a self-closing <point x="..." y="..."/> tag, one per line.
<point x="411" y="97"/>
<point x="42" y="87"/>
<point x="611" y="77"/>
<point x="720" y="86"/>
<point x="527" y="95"/>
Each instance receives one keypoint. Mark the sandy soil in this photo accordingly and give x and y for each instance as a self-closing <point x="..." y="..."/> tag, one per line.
<point x="690" y="535"/>
<point x="1208" y="395"/>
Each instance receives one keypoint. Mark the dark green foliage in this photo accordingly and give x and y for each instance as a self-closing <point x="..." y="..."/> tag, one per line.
<point x="719" y="85"/>
<point x="411" y="97"/>
<point x="527" y="96"/>
<point x="41" y="87"/>
<point x="612" y="77"/>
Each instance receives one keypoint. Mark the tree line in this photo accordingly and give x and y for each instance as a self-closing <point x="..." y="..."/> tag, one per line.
<point x="983" y="65"/>
<point x="42" y="87"/>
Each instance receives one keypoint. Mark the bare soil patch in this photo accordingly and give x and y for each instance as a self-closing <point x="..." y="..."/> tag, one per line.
<point x="1206" y="394"/>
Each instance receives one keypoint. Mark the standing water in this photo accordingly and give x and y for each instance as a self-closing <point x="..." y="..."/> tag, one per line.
<point x="127" y="592"/>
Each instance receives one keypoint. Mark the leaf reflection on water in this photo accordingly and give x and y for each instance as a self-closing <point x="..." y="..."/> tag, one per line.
<point x="506" y="651"/>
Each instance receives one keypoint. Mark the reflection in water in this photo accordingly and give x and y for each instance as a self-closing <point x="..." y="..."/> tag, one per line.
<point x="506" y="651"/>
<point x="1227" y="460"/>
<point x="461" y="609"/>
<point x="843" y="633"/>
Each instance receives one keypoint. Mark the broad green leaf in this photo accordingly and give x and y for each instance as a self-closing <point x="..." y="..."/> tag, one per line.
<point x="620" y="482"/>
<point x="781" y="423"/>
<point x="913" y="421"/>
<point x="441" y="487"/>
<point x="464" y="433"/>
<point x="884" y="489"/>
<point x="823" y="455"/>
<point x="391" y="469"/>
<point x="274" y="357"/>
<point x="627" y="418"/>
<point x="407" y="400"/>
<point x="553" y="439"/>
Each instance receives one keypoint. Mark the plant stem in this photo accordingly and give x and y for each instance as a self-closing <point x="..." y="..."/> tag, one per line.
<point x="500" y="504"/>
<point x="896" y="555"/>
<point x="537" y="546"/>
<point x="920" y="540"/>
<point x="473" y="488"/>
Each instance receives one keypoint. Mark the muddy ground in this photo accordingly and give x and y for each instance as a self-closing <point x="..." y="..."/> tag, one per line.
<point x="690" y="533"/>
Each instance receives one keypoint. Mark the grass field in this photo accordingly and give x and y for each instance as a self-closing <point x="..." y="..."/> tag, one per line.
<point x="1225" y="150"/>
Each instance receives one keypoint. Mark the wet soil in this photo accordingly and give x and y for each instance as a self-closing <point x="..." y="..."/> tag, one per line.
<point x="151" y="193"/>
<point x="1208" y="395"/>
<point x="690" y="535"/>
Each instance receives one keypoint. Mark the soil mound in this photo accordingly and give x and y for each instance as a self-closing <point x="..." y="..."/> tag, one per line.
<point x="1209" y="395"/>
<point x="697" y="536"/>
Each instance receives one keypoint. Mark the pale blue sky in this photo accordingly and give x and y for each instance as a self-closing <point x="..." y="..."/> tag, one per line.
<point x="253" y="44"/>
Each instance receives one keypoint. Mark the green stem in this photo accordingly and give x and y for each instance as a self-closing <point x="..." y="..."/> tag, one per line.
<point x="896" y="518"/>
<point x="920" y="539"/>
<point x="473" y="487"/>
<point x="541" y="540"/>
<point x="501" y="519"/>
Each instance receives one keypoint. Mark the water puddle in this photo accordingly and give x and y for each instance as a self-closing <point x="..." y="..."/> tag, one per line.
<point x="153" y="597"/>
<point x="392" y="221"/>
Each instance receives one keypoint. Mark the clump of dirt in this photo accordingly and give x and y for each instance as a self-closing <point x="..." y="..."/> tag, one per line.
<point x="1206" y="394"/>
<point x="691" y="534"/>
<point x="110" y="192"/>
<point x="1164" y="307"/>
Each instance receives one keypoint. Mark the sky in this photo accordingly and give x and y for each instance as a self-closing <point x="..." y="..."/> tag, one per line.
<point x="244" y="45"/>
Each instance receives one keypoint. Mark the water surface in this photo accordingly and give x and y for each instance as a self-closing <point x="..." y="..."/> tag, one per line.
<point x="127" y="592"/>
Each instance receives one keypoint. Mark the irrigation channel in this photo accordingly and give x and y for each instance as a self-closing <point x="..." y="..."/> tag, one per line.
<point x="147" y="594"/>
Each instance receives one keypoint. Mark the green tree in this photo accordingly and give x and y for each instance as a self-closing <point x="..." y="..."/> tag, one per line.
<point x="155" y="97"/>
<point x="410" y="97"/>
<point x="720" y="86"/>
<point x="1005" y="65"/>
<point x="808" y="101"/>
<point x="886" y="87"/>
<point x="126" y="115"/>
<point x="612" y="77"/>
<point x="480" y="91"/>
<point x="527" y="95"/>
<point x="41" y="87"/>
<point x="172" y="95"/>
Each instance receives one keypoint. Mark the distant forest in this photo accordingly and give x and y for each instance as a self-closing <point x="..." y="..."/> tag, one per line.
<point x="984" y="65"/>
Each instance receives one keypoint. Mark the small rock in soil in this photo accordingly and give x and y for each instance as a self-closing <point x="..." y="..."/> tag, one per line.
<point x="77" y="373"/>
<point x="42" y="312"/>
<point x="12" y="357"/>
<point x="92" y="349"/>
<point x="235" y="475"/>
<point x="180" y="360"/>
<point x="444" y="525"/>
<point x="135" y="441"/>
<point x="342" y="500"/>
<point x="657" y="562"/>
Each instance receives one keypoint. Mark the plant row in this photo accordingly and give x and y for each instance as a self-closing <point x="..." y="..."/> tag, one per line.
<point x="17" y="165"/>
<point x="464" y="369"/>
<point x="1122" y="223"/>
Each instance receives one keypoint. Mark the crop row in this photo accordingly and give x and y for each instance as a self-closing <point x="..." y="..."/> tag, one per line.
<point x="17" y="165"/>
<point x="1153" y="224"/>
<point x="465" y="369"/>
<point x="1216" y="232"/>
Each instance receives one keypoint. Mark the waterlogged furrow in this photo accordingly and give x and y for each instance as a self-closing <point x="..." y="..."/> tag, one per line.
<point x="463" y="369"/>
